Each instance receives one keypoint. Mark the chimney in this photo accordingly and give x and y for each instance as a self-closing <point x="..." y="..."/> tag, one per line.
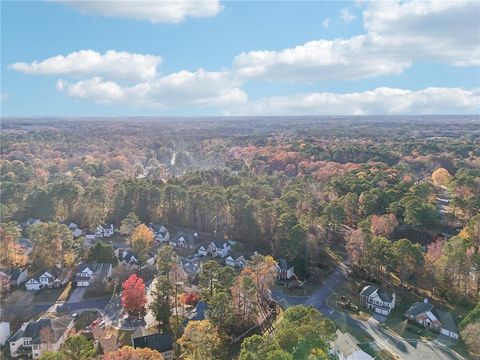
<point x="425" y="300"/>
<point x="24" y="326"/>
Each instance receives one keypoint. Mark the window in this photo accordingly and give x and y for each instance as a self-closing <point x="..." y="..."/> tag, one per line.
<point x="26" y="341"/>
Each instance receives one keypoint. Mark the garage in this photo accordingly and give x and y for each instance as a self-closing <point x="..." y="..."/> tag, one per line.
<point x="381" y="311"/>
<point x="449" y="333"/>
<point x="82" y="283"/>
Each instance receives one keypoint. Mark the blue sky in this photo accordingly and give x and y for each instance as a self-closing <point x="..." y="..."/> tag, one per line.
<point x="255" y="58"/>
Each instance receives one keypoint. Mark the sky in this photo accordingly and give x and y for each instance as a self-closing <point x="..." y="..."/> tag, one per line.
<point x="198" y="58"/>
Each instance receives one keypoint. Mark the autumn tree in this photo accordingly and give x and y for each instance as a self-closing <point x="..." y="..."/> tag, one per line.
<point x="245" y="299"/>
<point x="52" y="244"/>
<point x="383" y="225"/>
<point x="408" y="258"/>
<point x="129" y="353"/>
<point x="190" y="298"/>
<point x="470" y="335"/>
<point x="201" y="341"/>
<point x="133" y="295"/>
<point x="356" y="247"/>
<point x="129" y="224"/>
<point x="441" y="177"/>
<point x="141" y="241"/>
<point x="10" y="254"/>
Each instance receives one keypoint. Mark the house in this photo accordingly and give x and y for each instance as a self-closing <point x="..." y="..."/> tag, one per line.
<point x="190" y="267"/>
<point x="425" y="314"/>
<point x="105" y="342"/>
<point x="4" y="330"/>
<point x="104" y="230"/>
<point x="161" y="342"/>
<point x="90" y="235"/>
<point x="160" y="232"/>
<point x="126" y="257"/>
<point x="285" y="271"/>
<point x="378" y="300"/>
<point x="240" y="262"/>
<point x="219" y="248"/>
<point x="229" y="261"/>
<point x="183" y="240"/>
<point x="197" y="314"/>
<point x="12" y="277"/>
<point x="50" y="278"/>
<point x="202" y="251"/>
<point x="30" y="222"/>
<point x="85" y="273"/>
<point x="345" y="347"/>
<point x="30" y="340"/>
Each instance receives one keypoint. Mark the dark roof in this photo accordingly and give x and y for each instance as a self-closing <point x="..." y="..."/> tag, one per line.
<point x="99" y="269"/>
<point x="159" y="342"/>
<point x="283" y="264"/>
<point x="12" y="273"/>
<point x="371" y="289"/>
<point x="198" y="313"/>
<point x="418" y="308"/>
<point x="34" y="328"/>
<point x="189" y="238"/>
<point x="219" y="244"/>
<point x="446" y="319"/>
<point x="190" y="266"/>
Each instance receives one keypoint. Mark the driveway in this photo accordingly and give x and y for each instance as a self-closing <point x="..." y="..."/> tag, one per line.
<point x="77" y="295"/>
<point x="408" y="350"/>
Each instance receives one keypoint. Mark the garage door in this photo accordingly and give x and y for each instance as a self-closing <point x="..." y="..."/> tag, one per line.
<point x="381" y="311"/>
<point x="82" y="283"/>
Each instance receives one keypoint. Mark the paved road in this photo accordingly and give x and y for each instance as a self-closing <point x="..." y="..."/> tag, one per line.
<point x="404" y="350"/>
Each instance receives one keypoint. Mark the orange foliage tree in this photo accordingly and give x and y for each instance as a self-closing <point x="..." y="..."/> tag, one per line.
<point x="129" y="353"/>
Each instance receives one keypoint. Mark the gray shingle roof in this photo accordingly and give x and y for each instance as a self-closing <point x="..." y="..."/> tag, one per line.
<point x="418" y="308"/>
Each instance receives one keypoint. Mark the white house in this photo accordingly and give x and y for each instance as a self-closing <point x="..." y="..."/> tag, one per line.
<point x="202" y="251"/>
<point x="229" y="261"/>
<point x="219" y="248"/>
<point x="104" y="230"/>
<point x="50" y="278"/>
<point x="425" y="314"/>
<point x="285" y="271"/>
<point x="378" y="300"/>
<point x="345" y="347"/>
<point x="90" y="235"/>
<point x="240" y="262"/>
<point x="29" y="340"/>
<point x="4" y="331"/>
<point x="87" y="272"/>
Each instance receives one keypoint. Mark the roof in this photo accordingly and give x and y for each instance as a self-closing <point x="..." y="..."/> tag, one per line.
<point x="190" y="266"/>
<point x="188" y="237"/>
<point x="34" y="329"/>
<point x="198" y="313"/>
<point x="220" y="244"/>
<point x="240" y="258"/>
<point x="99" y="270"/>
<point x="447" y="320"/>
<point x="12" y="273"/>
<point x="346" y="344"/>
<point x="283" y="264"/>
<point x="160" y="342"/>
<point x="229" y="258"/>
<point x="418" y="308"/>
<point x="371" y="290"/>
<point x="141" y="331"/>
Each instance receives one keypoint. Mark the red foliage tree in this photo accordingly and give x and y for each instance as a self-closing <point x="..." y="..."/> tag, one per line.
<point x="190" y="298"/>
<point x="133" y="295"/>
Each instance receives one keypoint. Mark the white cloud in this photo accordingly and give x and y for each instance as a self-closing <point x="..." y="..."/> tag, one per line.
<point x="326" y="23"/>
<point x="112" y="65"/>
<point x="184" y="88"/>
<point x="447" y="31"/>
<point x="321" y="59"/>
<point x="346" y="16"/>
<point x="398" y="33"/>
<point x="156" y="11"/>
<point x="383" y="100"/>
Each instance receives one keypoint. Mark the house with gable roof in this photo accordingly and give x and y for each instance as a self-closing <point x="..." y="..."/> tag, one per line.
<point x="425" y="314"/>
<point x="85" y="273"/>
<point x="377" y="299"/>
<point x="219" y="248"/>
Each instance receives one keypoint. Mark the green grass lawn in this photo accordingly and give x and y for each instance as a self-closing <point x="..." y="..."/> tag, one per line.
<point x="349" y="289"/>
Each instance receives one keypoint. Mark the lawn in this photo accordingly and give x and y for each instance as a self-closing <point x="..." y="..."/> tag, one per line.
<point x="373" y="350"/>
<point x="397" y="322"/>
<point x="48" y="295"/>
<point x="348" y="289"/>
<point x="85" y="319"/>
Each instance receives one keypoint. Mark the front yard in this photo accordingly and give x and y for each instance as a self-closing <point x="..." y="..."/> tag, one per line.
<point x="349" y="289"/>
